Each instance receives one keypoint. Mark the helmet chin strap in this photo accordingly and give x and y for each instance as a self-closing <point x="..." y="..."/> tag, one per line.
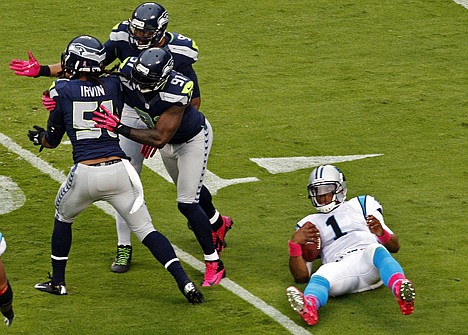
<point x="326" y="208"/>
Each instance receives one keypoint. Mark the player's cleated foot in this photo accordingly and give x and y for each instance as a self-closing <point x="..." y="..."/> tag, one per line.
<point x="192" y="293"/>
<point x="304" y="306"/>
<point x="52" y="288"/>
<point x="123" y="258"/>
<point x="215" y="271"/>
<point x="8" y="316"/>
<point x="405" y="294"/>
<point x="219" y="236"/>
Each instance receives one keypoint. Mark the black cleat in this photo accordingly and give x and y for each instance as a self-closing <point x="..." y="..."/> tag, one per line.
<point x="8" y="316"/>
<point x="192" y="293"/>
<point x="123" y="258"/>
<point x="52" y="288"/>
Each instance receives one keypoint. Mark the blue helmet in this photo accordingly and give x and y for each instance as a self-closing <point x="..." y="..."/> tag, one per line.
<point x="147" y="26"/>
<point x="84" y="54"/>
<point x="151" y="70"/>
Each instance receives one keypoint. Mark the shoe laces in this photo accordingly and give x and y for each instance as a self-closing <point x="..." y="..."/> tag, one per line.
<point x="123" y="255"/>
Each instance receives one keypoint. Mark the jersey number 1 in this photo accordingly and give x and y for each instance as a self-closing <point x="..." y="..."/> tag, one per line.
<point x="332" y="222"/>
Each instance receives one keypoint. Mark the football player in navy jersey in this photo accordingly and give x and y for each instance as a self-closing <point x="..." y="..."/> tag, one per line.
<point x="145" y="28"/>
<point x="182" y="134"/>
<point x="355" y="248"/>
<point x="102" y="170"/>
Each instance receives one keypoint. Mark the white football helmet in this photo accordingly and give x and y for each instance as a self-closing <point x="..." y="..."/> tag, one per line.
<point x="326" y="179"/>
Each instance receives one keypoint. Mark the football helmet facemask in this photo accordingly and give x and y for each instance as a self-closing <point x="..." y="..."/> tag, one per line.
<point x="327" y="179"/>
<point x="151" y="70"/>
<point x="147" y="26"/>
<point x="84" y="54"/>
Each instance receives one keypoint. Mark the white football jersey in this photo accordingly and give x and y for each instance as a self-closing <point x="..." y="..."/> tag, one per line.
<point x="344" y="229"/>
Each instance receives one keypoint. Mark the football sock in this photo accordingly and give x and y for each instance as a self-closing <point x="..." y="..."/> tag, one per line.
<point x="123" y="231"/>
<point x="6" y="297"/>
<point x="206" y="202"/>
<point x="6" y="300"/>
<point x="318" y="288"/>
<point x="390" y="270"/>
<point x="212" y="257"/>
<point x="394" y="279"/>
<point x="163" y="251"/>
<point x="61" y="244"/>
<point x="216" y="221"/>
<point x="200" y="225"/>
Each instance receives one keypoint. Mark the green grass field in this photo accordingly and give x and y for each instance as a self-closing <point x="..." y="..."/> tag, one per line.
<point x="278" y="79"/>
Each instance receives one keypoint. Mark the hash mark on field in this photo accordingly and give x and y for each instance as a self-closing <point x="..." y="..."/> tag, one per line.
<point x="238" y="290"/>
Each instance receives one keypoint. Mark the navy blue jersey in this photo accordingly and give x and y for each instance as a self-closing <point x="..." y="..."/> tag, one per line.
<point x="176" y="91"/>
<point x="183" y="49"/>
<point x="76" y="100"/>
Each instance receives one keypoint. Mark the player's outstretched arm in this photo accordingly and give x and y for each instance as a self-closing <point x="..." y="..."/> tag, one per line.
<point x="32" y="68"/>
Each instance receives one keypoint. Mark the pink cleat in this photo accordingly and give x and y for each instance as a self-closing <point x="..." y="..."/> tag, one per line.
<point x="405" y="294"/>
<point x="215" y="271"/>
<point x="220" y="235"/>
<point x="304" y="306"/>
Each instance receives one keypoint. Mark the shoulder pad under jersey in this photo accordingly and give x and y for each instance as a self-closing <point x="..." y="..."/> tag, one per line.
<point x="119" y="32"/>
<point x="183" y="46"/>
<point x="57" y="85"/>
<point x="366" y="204"/>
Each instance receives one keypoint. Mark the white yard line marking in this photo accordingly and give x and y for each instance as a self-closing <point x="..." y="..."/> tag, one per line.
<point x="464" y="3"/>
<point x="59" y="176"/>
<point x="212" y="181"/>
<point x="290" y="164"/>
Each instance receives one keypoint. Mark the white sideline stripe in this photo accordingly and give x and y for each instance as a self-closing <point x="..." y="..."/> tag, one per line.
<point x="59" y="176"/>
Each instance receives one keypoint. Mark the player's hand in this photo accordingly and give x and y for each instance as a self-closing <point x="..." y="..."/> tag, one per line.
<point x="307" y="233"/>
<point x="106" y="120"/>
<point x="28" y="68"/>
<point x="36" y="136"/>
<point x="148" y="151"/>
<point x="374" y="225"/>
<point x="48" y="102"/>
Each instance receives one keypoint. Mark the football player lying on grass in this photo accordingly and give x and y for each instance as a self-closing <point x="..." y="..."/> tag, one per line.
<point x="354" y="245"/>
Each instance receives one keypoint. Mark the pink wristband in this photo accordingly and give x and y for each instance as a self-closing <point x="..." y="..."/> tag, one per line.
<point x="385" y="238"/>
<point x="295" y="249"/>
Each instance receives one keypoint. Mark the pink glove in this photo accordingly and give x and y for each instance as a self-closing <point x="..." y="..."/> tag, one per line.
<point x="106" y="120"/>
<point x="48" y="102"/>
<point x="29" y="68"/>
<point x="148" y="151"/>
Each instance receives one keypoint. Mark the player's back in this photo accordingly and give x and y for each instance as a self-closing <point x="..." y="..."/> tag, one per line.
<point x="76" y="101"/>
